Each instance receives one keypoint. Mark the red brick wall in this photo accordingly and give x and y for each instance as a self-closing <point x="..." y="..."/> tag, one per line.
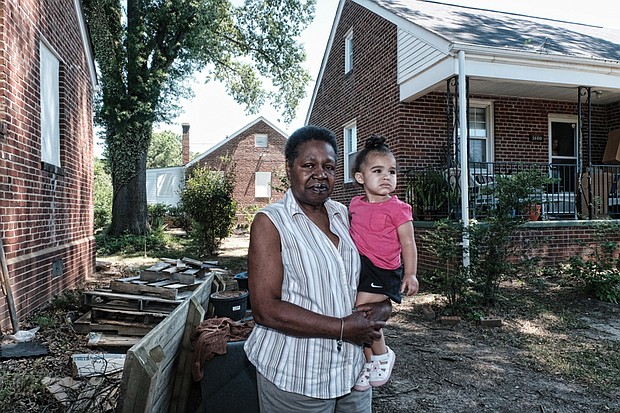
<point x="552" y="245"/>
<point x="416" y="131"/>
<point x="248" y="159"/>
<point x="44" y="216"/>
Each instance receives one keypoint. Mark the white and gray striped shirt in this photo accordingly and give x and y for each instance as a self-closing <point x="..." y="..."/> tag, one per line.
<point x="323" y="279"/>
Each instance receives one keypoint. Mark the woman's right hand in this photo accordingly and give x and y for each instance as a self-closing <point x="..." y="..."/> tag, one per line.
<point x="360" y="330"/>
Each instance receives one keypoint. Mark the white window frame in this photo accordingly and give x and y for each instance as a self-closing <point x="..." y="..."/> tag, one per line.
<point x="262" y="185"/>
<point x="489" y="138"/>
<point x="348" y="51"/>
<point x="261" y="140"/>
<point x="350" y="149"/>
<point x="49" y="78"/>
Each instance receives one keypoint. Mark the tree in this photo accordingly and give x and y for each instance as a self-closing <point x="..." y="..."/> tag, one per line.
<point x="102" y="194"/>
<point x="165" y="150"/>
<point x="146" y="50"/>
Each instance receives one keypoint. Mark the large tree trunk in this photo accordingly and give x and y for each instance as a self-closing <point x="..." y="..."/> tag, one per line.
<point x="129" y="211"/>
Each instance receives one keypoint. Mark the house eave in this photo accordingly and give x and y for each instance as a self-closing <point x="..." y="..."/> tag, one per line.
<point x="557" y="73"/>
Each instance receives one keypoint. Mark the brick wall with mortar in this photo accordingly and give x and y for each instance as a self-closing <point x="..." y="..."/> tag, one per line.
<point x="247" y="160"/>
<point x="416" y="131"/>
<point x="46" y="215"/>
<point x="552" y="246"/>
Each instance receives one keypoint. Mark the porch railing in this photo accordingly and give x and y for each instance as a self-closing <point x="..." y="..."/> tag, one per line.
<point x="592" y="193"/>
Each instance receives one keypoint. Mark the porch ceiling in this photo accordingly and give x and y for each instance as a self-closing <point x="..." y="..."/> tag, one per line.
<point x="524" y="89"/>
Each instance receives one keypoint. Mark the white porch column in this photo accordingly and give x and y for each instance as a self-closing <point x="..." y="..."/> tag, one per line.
<point x="464" y="151"/>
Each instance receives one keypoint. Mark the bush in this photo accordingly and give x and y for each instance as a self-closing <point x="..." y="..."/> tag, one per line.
<point x="600" y="274"/>
<point x="157" y="214"/>
<point x="207" y="199"/>
<point x="445" y="242"/>
<point x="179" y="218"/>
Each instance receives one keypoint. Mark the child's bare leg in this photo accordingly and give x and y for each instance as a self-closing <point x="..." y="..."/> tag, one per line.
<point x="378" y="346"/>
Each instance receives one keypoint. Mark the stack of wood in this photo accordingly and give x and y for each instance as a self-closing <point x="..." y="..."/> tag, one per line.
<point x="132" y="306"/>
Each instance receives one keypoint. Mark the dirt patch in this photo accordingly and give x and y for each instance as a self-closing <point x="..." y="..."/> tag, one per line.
<point x="555" y="351"/>
<point x="530" y="364"/>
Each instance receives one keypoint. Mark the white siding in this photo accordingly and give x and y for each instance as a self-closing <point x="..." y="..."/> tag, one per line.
<point x="163" y="185"/>
<point x="415" y="56"/>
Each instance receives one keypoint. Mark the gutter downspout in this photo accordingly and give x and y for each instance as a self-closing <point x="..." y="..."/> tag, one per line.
<point x="463" y="150"/>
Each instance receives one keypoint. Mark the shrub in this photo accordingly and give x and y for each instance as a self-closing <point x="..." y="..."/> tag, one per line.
<point x="599" y="274"/>
<point x="157" y="214"/>
<point x="207" y="199"/>
<point x="445" y="243"/>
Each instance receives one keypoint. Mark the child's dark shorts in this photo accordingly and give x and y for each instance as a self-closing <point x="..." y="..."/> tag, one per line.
<point x="379" y="280"/>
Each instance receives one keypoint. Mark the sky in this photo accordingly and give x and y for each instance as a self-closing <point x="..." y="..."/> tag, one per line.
<point x="213" y="115"/>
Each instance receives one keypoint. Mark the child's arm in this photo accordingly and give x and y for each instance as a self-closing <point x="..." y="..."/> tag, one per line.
<point x="410" y="284"/>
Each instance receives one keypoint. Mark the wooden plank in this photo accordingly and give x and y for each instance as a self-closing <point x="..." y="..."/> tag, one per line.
<point x="149" y="375"/>
<point x="193" y="262"/>
<point x="159" y="266"/>
<point x="152" y="276"/>
<point x="85" y="325"/>
<point x="151" y="289"/>
<point x="116" y="300"/>
<point x="113" y="341"/>
<point x="183" y="381"/>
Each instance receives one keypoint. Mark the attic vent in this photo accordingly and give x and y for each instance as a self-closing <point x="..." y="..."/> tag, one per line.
<point x="261" y="140"/>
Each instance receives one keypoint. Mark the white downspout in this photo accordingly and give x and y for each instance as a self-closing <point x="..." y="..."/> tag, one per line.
<point x="464" y="150"/>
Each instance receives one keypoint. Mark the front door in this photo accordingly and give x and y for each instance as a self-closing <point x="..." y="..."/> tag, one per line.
<point x="563" y="152"/>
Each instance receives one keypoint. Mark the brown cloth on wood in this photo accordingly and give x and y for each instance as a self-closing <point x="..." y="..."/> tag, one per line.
<point x="210" y="337"/>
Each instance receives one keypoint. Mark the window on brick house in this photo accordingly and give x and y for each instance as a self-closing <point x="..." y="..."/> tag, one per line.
<point x="50" y="105"/>
<point x="348" y="51"/>
<point x="261" y="140"/>
<point x="480" y="133"/>
<point x="262" y="185"/>
<point x="350" y="150"/>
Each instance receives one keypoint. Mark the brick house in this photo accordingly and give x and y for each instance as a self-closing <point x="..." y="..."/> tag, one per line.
<point x="254" y="154"/>
<point x="520" y="89"/>
<point x="46" y="150"/>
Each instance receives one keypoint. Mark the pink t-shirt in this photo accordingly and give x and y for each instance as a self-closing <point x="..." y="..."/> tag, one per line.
<point x="374" y="229"/>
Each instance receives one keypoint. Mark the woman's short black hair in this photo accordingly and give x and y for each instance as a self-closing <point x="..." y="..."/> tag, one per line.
<point x="305" y="134"/>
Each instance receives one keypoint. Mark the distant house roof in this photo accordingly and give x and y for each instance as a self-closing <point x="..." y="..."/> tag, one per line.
<point x="233" y="136"/>
<point x="480" y="27"/>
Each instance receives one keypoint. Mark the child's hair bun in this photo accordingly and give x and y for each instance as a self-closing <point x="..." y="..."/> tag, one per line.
<point x="375" y="141"/>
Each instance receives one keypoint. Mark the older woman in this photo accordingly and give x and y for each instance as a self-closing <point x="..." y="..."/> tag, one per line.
<point x="303" y="273"/>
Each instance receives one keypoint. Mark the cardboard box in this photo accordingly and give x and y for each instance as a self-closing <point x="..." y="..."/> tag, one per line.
<point x="612" y="150"/>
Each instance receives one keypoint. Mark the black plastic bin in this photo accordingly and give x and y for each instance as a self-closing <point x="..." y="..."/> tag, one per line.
<point x="229" y="382"/>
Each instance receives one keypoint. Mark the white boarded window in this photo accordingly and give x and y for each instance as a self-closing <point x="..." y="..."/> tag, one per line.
<point x="350" y="150"/>
<point x="261" y="140"/>
<point x="262" y="185"/>
<point x="50" y="106"/>
<point x="348" y="51"/>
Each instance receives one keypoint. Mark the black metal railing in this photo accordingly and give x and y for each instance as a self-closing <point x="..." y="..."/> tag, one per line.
<point x="590" y="193"/>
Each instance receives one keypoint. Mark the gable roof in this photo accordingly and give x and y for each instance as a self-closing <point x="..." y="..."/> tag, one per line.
<point x="84" y="33"/>
<point x="233" y="136"/>
<point x="501" y="47"/>
<point x="488" y="28"/>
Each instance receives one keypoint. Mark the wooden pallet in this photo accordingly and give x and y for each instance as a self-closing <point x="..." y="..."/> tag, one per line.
<point x="85" y="325"/>
<point x="106" y="298"/>
<point x="167" y="288"/>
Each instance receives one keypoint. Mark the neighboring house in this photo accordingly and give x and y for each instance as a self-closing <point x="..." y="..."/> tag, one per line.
<point x="520" y="89"/>
<point x="164" y="185"/>
<point x="254" y="154"/>
<point x="46" y="150"/>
